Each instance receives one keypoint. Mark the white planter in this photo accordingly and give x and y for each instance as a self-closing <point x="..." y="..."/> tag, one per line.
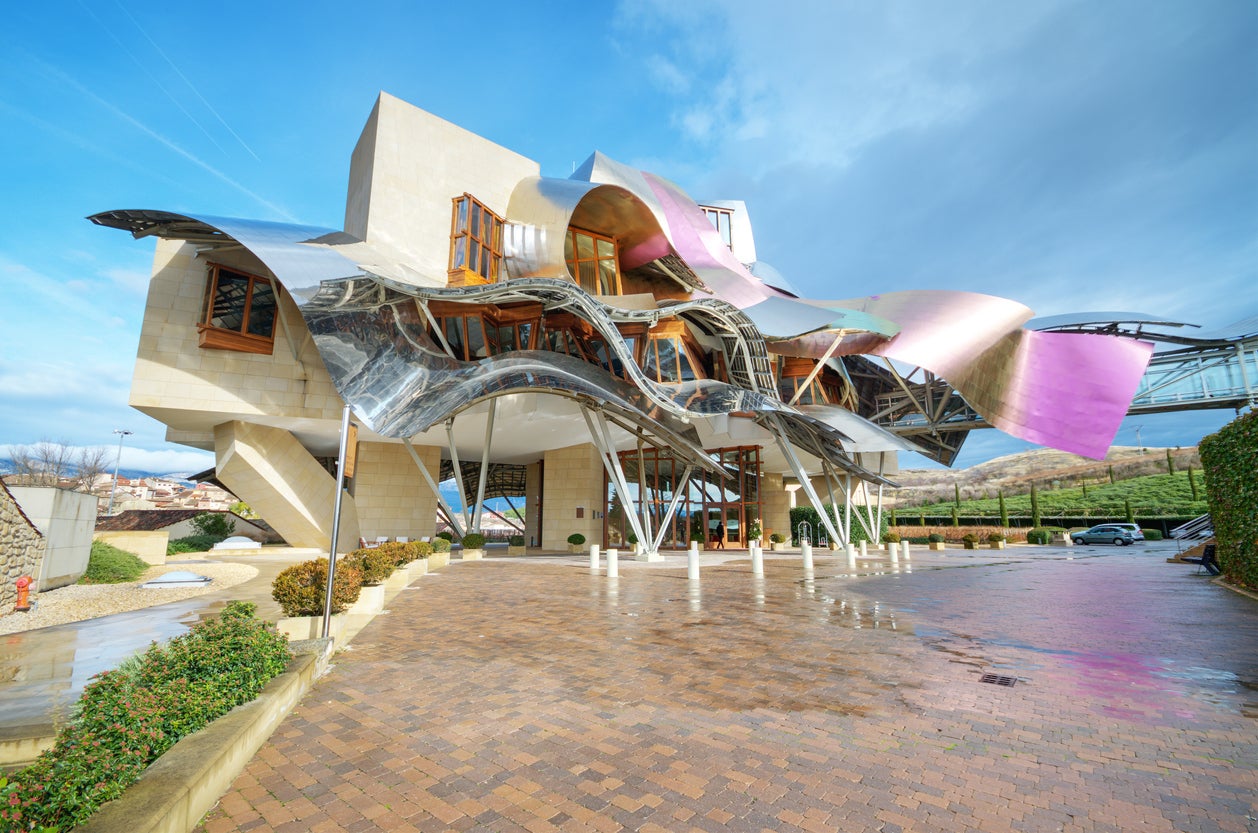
<point x="514" y="550"/>
<point x="473" y="555"/>
<point x="937" y="545"/>
<point x="779" y="546"/>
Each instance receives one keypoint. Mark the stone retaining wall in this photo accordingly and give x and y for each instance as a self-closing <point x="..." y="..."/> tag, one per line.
<point x="21" y="549"/>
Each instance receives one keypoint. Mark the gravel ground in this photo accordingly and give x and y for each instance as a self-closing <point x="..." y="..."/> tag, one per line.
<point x="77" y="602"/>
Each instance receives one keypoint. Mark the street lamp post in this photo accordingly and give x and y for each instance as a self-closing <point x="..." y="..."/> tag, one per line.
<point x="122" y="435"/>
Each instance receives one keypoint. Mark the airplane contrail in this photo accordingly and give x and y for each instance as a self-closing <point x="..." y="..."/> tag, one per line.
<point x="205" y="166"/>
<point x="152" y="77"/>
<point x="195" y="91"/>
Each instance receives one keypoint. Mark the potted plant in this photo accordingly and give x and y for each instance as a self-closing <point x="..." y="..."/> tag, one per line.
<point x="515" y="545"/>
<point x="473" y="546"/>
<point x="696" y="534"/>
<point x="935" y="541"/>
<point x="996" y="541"/>
<point x="633" y="542"/>
<point x="777" y="541"/>
<point x="970" y="540"/>
<point x="754" y="532"/>
<point x="576" y="543"/>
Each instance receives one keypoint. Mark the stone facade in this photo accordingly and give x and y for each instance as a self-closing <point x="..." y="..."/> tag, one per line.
<point x="21" y="549"/>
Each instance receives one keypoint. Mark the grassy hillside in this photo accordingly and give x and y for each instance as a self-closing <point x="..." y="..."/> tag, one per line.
<point x="1150" y="495"/>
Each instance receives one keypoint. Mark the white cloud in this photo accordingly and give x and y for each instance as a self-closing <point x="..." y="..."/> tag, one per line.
<point x="160" y="461"/>
<point x="132" y="280"/>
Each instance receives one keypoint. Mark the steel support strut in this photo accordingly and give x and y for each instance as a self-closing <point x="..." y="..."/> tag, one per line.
<point x="788" y="451"/>
<point x="451" y="517"/>
<point x="611" y="463"/>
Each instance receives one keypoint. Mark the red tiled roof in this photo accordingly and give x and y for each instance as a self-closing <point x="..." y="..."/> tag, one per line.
<point x="145" y="520"/>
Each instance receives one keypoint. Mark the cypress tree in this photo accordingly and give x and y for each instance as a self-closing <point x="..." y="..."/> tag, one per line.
<point x="893" y="523"/>
<point x="1192" y="484"/>
<point x="955" y="520"/>
<point x="1111" y="473"/>
<point x="1084" y="484"/>
<point x="1004" y="513"/>
<point x="1035" y="507"/>
<point x="921" y="519"/>
<point x="1170" y="462"/>
<point x="956" y="492"/>
<point x="1131" y="518"/>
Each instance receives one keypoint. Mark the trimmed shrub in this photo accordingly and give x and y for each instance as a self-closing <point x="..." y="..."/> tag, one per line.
<point x="1043" y="534"/>
<point x="109" y="565"/>
<point x="192" y="543"/>
<point x="374" y="565"/>
<point x="129" y="717"/>
<point x="995" y="538"/>
<point x="934" y="538"/>
<point x="696" y="534"/>
<point x="516" y="541"/>
<point x="776" y="538"/>
<point x="423" y="549"/>
<point x="1152" y="534"/>
<point x="440" y="544"/>
<point x="448" y="536"/>
<point x="473" y="541"/>
<point x="970" y="540"/>
<point x="576" y="539"/>
<point x="1229" y="458"/>
<point x="397" y="552"/>
<point x="890" y="537"/>
<point x="300" y="589"/>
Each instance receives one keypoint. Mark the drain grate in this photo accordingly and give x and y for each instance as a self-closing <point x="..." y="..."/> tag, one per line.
<point x="997" y="679"/>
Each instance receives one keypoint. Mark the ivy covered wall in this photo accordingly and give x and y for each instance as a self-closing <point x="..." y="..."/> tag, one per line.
<point x="1229" y="459"/>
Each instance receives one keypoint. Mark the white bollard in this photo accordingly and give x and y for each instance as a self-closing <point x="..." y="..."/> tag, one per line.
<point x="694" y="546"/>
<point x="851" y="556"/>
<point x="864" y="549"/>
<point x="807" y="551"/>
<point x="593" y="558"/>
<point x="692" y="563"/>
<point x="905" y="544"/>
<point x="613" y="568"/>
<point x="757" y="562"/>
<point x="895" y="553"/>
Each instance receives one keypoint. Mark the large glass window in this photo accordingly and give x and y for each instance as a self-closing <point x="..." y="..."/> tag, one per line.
<point x="720" y="509"/>
<point x="592" y="261"/>
<point x="240" y="312"/>
<point x="475" y="243"/>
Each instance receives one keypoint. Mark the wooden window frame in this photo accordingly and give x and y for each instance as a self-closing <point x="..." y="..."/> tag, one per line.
<point x="490" y="271"/>
<point x="574" y="264"/>
<point x="213" y="337"/>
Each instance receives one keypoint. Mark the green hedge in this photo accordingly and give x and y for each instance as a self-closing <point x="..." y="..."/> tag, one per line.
<point x="127" y="718"/>
<point x="106" y="564"/>
<point x="1229" y="460"/>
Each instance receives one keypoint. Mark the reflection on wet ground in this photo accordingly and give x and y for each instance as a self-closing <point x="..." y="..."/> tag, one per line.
<point x="541" y="696"/>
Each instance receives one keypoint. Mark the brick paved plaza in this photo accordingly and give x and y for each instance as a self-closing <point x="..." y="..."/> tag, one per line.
<point x="530" y="695"/>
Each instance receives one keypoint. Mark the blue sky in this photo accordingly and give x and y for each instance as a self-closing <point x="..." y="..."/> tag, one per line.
<point x="1068" y="155"/>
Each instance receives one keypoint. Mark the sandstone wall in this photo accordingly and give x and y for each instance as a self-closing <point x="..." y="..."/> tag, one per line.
<point x="21" y="549"/>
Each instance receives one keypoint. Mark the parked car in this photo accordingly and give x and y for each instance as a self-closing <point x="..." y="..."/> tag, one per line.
<point x="1136" y="532"/>
<point x="1120" y="535"/>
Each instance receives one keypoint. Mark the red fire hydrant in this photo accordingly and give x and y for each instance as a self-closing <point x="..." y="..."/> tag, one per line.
<point x="23" y="594"/>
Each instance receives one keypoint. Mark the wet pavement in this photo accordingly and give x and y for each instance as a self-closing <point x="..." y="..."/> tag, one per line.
<point x="43" y="672"/>
<point x="528" y="694"/>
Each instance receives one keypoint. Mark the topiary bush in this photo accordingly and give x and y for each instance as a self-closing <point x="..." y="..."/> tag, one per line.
<point x="890" y="537"/>
<point x="129" y="717"/>
<point x="374" y="565"/>
<point x="109" y="565"/>
<point x="300" y="590"/>
<point x="397" y="552"/>
<point x="576" y="539"/>
<point x="778" y="538"/>
<point x="515" y="541"/>
<point x="934" y="538"/>
<point x="440" y="544"/>
<point x="473" y="541"/>
<point x="995" y="538"/>
<point x="448" y="536"/>
<point x="1152" y="534"/>
<point x="970" y="540"/>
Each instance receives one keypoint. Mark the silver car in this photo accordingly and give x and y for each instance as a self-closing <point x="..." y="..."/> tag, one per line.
<point x="1120" y="535"/>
